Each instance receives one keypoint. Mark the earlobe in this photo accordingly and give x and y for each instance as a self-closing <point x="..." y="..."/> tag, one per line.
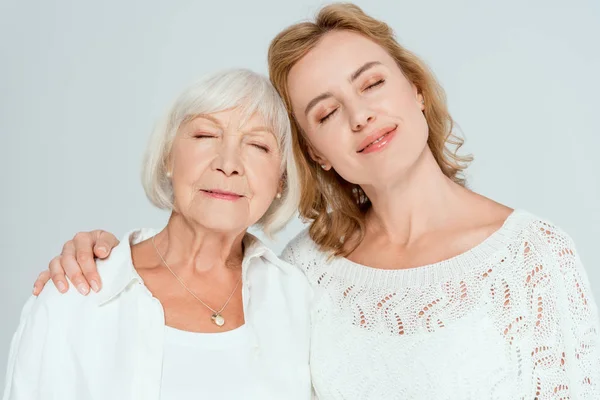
<point x="168" y="166"/>
<point x="318" y="159"/>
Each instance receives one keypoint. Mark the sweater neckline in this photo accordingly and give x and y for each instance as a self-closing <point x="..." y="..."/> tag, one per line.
<point x="440" y="271"/>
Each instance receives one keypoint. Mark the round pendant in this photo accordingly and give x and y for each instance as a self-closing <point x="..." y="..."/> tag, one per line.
<point x="218" y="319"/>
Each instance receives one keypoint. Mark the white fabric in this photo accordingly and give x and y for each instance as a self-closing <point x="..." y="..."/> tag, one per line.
<point x="209" y="365"/>
<point x="110" y="345"/>
<point x="513" y="318"/>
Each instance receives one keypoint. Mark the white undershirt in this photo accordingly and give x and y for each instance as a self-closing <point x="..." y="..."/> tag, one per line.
<point x="208" y="365"/>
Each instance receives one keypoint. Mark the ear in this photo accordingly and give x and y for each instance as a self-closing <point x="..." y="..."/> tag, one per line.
<point x="419" y="98"/>
<point x="168" y="166"/>
<point x="318" y="158"/>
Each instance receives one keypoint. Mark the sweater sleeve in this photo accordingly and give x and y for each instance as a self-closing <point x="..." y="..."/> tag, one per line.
<point x="25" y="360"/>
<point x="565" y="330"/>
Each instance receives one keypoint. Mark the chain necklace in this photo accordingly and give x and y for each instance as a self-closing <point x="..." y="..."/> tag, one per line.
<point x="216" y="317"/>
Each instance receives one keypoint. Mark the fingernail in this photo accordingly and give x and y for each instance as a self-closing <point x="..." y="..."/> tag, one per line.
<point x="34" y="290"/>
<point x="95" y="286"/>
<point x="61" y="286"/>
<point x="83" y="289"/>
<point x="102" y="250"/>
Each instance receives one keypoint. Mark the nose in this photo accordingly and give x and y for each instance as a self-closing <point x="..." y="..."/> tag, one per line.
<point x="228" y="159"/>
<point x="360" y="116"/>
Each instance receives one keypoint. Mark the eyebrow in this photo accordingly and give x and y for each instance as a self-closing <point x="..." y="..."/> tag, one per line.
<point x="204" y="116"/>
<point x="353" y="77"/>
<point x="362" y="69"/>
<point x="260" y="129"/>
<point x="316" y="100"/>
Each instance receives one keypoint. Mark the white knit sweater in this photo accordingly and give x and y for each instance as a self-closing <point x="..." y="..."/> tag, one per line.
<point x="512" y="318"/>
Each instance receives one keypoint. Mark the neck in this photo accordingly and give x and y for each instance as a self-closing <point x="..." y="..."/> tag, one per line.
<point x="185" y="245"/>
<point x="422" y="200"/>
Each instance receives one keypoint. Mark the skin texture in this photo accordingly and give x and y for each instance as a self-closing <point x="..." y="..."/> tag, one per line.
<point x="344" y="91"/>
<point x="214" y="152"/>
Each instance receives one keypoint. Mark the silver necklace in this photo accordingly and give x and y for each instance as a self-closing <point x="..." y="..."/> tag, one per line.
<point x="216" y="317"/>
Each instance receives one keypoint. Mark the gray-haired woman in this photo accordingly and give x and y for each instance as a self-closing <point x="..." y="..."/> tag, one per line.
<point x="200" y="309"/>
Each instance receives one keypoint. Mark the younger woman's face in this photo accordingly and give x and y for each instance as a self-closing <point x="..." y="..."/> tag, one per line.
<point x="361" y="115"/>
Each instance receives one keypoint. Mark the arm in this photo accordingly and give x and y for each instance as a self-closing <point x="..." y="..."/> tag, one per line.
<point x="25" y="357"/>
<point x="77" y="262"/>
<point x="565" y="352"/>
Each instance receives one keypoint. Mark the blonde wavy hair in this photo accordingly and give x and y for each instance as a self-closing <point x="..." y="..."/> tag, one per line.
<point x="336" y="207"/>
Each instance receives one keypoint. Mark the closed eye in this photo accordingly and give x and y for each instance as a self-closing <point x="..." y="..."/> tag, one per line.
<point x="261" y="147"/>
<point x="378" y="83"/>
<point x="204" y="136"/>
<point x="325" y="118"/>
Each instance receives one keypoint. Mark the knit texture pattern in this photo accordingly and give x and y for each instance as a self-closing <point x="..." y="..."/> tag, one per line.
<point x="512" y="318"/>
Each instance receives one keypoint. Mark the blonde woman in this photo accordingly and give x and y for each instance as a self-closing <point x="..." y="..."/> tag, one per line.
<point x="423" y="288"/>
<point x="187" y="312"/>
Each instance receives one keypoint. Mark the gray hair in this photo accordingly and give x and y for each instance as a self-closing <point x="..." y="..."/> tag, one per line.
<point x="242" y="88"/>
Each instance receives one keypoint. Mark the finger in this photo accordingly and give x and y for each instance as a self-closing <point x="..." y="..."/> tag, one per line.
<point x="40" y="282"/>
<point x="105" y="242"/>
<point x="85" y="263"/>
<point x="58" y="275"/>
<point x="73" y="256"/>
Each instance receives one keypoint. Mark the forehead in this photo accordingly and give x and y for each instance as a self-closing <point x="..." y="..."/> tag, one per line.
<point x="238" y="118"/>
<point x="335" y="58"/>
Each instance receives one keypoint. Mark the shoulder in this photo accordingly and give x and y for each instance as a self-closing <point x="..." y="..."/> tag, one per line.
<point x="115" y="271"/>
<point x="546" y="253"/>
<point x="302" y="249"/>
<point x="547" y="237"/>
<point x="552" y="269"/>
<point x="274" y="277"/>
<point x="287" y="272"/>
<point x="51" y="307"/>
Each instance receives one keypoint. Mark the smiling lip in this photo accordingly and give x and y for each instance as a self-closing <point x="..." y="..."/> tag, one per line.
<point x="378" y="140"/>
<point x="221" y="194"/>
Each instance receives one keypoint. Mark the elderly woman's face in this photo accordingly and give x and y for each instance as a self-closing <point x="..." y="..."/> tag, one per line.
<point x="225" y="171"/>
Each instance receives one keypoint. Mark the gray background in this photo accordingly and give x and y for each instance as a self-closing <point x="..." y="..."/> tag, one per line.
<point x="82" y="83"/>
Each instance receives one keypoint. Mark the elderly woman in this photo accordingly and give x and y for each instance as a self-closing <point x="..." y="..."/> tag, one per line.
<point x="201" y="309"/>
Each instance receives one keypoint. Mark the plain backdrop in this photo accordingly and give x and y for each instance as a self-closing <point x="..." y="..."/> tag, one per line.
<point x="83" y="82"/>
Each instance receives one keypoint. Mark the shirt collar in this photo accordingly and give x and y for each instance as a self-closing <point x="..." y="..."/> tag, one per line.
<point x="121" y="273"/>
<point x="255" y="248"/>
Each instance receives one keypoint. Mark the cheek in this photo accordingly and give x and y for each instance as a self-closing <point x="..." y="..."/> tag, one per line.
<point x="263" y="176"/>
<point x="329" y="142"/>
<point x="188" y="166"/>
<point x="417" y="120"/>
<point x="188" y="156"/>
<point x="404" y="107"/>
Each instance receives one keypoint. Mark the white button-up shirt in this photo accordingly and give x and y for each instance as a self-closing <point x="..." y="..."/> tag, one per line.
<point x="109" y="345"/>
